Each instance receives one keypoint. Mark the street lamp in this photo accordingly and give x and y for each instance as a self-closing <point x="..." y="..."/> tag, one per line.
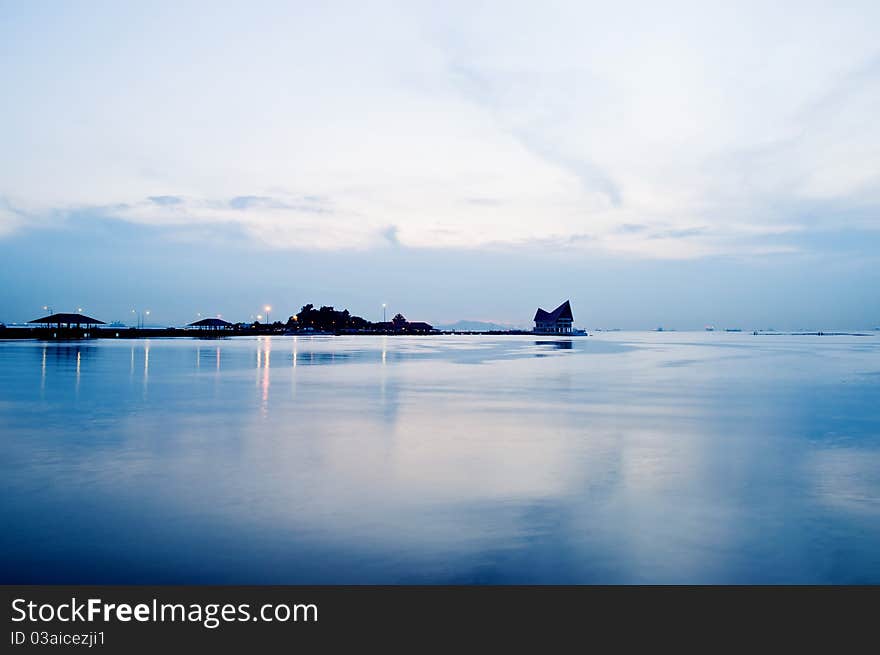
<point x="268" y="309"/>
<point x="383" y="311"/>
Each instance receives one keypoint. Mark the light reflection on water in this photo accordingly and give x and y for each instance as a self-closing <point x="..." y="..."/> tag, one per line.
<point x="624" y="457"/>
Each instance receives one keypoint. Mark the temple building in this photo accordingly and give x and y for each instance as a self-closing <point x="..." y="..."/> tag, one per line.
<point x="556" y="322"/>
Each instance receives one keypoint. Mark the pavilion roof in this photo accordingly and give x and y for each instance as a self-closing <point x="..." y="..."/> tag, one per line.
<point x="77" y="319"/>
<point x="563" y="311"/>
<point x="211" y="322"/>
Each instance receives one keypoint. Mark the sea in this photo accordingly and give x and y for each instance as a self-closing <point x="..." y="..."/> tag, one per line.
<point x="614" y="458"/>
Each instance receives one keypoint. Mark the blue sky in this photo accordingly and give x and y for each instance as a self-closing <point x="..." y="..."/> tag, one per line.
<point x="678" y="165"/>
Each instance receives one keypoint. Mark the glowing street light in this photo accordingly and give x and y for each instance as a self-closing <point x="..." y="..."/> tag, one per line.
<point x="383" y="311"/>
<point x="268" y="309"/>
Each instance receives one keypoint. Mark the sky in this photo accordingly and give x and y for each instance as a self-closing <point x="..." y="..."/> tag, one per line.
<point x="675" y="164"/>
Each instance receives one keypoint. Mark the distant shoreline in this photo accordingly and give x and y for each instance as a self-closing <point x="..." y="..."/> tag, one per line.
<point x="51" y="334"/>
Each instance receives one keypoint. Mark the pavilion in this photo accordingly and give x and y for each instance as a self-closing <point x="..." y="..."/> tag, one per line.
<point x="67" y="320"/>
<point x="212" y="324"/>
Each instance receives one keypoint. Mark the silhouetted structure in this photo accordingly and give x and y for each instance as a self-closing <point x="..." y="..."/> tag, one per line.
<point x="399" y="324"/>
<point x="329" y="320"/>
<point x="212" y="324"/>
<point x="66" y="326"/>
<point x="556" y="322"/>
<point x="418" y="326"/>
<point x="67" y="320"/>
<point x="325" y="319"/>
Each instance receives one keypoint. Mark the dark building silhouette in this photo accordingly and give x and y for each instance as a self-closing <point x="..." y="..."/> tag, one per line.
<point x="68" y="320"/>
<point x="558" y="321"/>
<point x="418" y="326"/>
<point x="401" y="325"/>
<point x="67" y="326"/>
<point x="212" y="324"/>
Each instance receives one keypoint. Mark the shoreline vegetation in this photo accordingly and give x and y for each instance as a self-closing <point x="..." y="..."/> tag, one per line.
<point x="322" y="321"/>
<point x="309" y="321"/>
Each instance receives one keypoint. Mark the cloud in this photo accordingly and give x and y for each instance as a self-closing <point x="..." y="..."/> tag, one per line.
<point x="485" y="202"/>
<point x="390" y="234"/>
<point x="312" y="204"/>
<point x="631" y="228"/>
<point x="249" y="202"/>
<point x="9" y="220"/>
<point x="166" y="201"/>
<point x="499" y="91"/>
<point x="707" y="131"/>
<point x="684" y="233"/>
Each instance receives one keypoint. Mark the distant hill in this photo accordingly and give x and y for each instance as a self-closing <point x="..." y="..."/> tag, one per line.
<point x="475" y="326"/>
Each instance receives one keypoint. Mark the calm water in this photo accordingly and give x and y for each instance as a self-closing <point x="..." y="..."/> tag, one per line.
<point x="617" y="458"/>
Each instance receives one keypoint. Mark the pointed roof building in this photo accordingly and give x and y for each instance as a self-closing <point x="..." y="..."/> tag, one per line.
<point x="559" y="321"/>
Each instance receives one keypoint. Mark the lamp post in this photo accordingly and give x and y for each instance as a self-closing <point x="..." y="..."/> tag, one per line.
<point x="268" y="309"/>
<point x="383" y="312"/>
<point x="140" y="317"/>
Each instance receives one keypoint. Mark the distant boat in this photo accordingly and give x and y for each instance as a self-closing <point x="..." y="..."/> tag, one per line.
<point x="710" y="328"/>
<point x="733" y="329"/>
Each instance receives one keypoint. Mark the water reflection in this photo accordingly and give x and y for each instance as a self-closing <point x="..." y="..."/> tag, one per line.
<point x="266" y="345"/>
<point x="146" y="366"/>
<point x="443" y="460"/>
<point x="557" y="345"/>
<point x="58" y="358"/>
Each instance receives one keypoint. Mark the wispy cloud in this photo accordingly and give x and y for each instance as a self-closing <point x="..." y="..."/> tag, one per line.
<point x="9" y="220"/>
<point x="166" y="201"/>
<point x="706" y="131"/>
<point x="390" y="234"/>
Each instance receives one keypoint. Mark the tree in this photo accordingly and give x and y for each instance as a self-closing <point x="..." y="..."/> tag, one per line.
<point x="398" y="321"/>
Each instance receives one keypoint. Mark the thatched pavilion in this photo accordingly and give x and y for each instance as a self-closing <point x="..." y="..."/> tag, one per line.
<point x="212" y="324"/>
<point x="67" y="320"/>
<point x="68" y="326"/>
